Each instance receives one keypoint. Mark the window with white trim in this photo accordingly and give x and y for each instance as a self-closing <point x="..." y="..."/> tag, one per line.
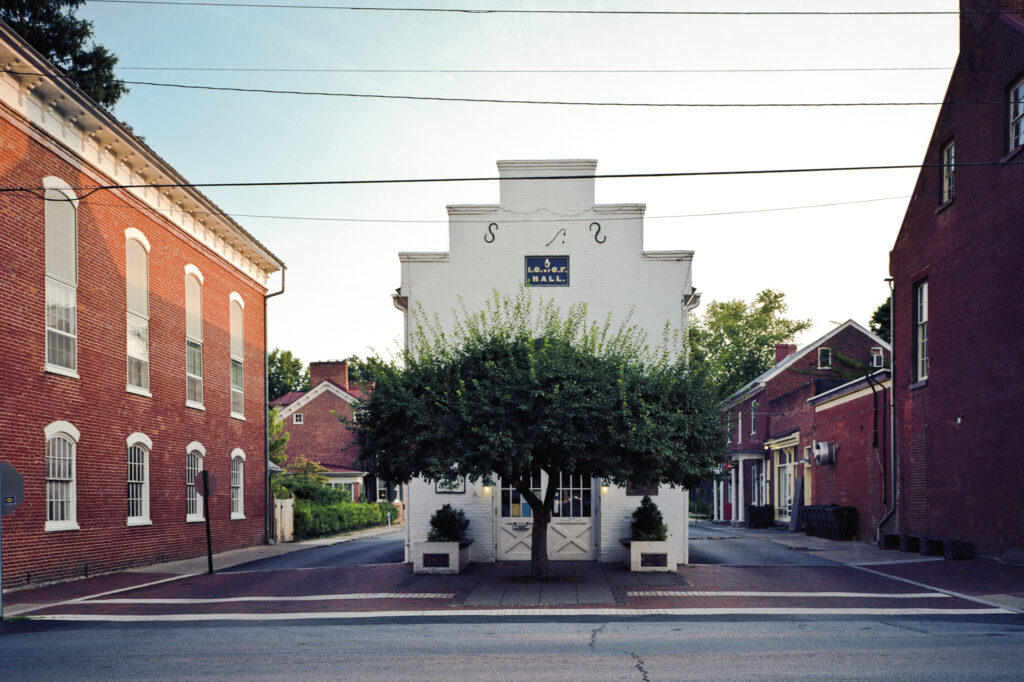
<point x="193" y="339"/>
<point x="61" y="444"/>
<point x="739" y="427"/>
<point x="193" y="500"/>
<point x="237" y="489"/>
<point x="948" y="169"/>
<point x="138" y="483"/>
<point x="753" y="418"/>
<point x="237" y="358"/>
<point x="137" y="296"/>
<point x="61" y="281"/>
<point x="921" y="330"/>
<point x="824" y="358"/>
<point x="297" y="418"/>
<point x="1017" y="115"/>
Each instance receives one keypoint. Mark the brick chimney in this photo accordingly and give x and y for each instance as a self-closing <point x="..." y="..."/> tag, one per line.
<point x="329" y="370"/>
<point x="782" y="351"/>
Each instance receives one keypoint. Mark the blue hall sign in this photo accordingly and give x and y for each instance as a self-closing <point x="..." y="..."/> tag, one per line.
<point x="547" y="271"/>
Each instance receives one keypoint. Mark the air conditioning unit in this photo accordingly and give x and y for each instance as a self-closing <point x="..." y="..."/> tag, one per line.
<point x="825" y="452"/>
<point x="877" y="361"/>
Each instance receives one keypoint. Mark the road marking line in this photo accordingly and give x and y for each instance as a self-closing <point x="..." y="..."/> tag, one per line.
<point x="469" y="613"/>
<point x="840" y="595"/>
<point x="932" y="587"/>
<point x="308" y="597"/>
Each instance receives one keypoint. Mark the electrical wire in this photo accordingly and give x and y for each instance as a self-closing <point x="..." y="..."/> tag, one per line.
<point x="489" y="100"/>
<point x="680" y="174"/>
<point x="562" y="219"/>
<point x="223" y="69"/>
<point x="610" y="12"/>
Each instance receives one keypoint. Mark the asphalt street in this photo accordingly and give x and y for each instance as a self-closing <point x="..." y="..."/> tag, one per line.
<point x="522" y="649"/>
<point x="384" y="549"/>
<point x="725" y="547"/>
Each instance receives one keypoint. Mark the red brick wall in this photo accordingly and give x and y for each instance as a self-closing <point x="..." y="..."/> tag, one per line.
<point x="961" y="475"/>
<point x="330" y="370"/>
<point x="97" y="403"/>
<point x="322" y="437"/>
<point x="855" y="479"/>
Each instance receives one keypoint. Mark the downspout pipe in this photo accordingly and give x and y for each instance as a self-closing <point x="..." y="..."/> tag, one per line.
<point x="892" y="409"/>
<point x="874" y="443"/>
<point x="268" y="500"/>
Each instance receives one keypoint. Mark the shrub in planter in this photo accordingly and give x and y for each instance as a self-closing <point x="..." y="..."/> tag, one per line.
<point x="648" y="523"/>
<point x="448" y="524"/>
<point x="447" y="547"/>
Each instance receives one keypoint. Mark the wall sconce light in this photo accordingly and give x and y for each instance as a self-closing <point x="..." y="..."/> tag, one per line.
<point x="486" y="490"/>
<point x="604" y="485"/>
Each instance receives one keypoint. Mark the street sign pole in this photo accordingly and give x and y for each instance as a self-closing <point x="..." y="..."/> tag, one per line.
<point x="1" y="551"/>
<point x="206" y="515"/>
<point x="12" y="492"/>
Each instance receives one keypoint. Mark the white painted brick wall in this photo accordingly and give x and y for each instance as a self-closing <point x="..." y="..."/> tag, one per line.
<point x="615" y="277"/>
<point x="422" y="502"/>
<point x="617" y="514"/>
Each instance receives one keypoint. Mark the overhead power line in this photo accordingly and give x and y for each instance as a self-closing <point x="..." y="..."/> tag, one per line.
<point x="532" y="71"/>
<point x="494" y="100"/>
<point x="611" y="12"/>
<point x="559" y="219"/>
<point x="91" y="189"/>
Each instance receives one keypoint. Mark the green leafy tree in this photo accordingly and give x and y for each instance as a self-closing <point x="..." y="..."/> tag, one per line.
<point x="518" y="388"/>
<point x="881" y="321"/>
<point x="51" y="27"/>
<point x="278" y="438"/>
<point x="734" y="341"/>
<point x="311" y="469"/>
<point x="360" y="371"/>
<point x="285" y="373"/>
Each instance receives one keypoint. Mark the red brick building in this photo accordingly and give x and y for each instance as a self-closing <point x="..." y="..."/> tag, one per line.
<point x="315" y="430"/>
<point x="132" y="326"/>
<point x="852" y="434"/>
<point x="311" y="419"/>
<point x="958" y="313"/>
<point x="772" y="425"/>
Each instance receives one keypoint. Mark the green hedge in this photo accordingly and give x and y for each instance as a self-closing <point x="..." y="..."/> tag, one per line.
<point x="305" y="487"/>
<point x="316" y="520"/>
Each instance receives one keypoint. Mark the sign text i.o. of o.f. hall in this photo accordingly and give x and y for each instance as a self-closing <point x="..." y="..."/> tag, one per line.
<point x="547" y="271"/>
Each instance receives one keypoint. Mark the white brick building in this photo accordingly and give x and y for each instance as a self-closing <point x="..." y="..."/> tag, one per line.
<point x="549" y="234"/>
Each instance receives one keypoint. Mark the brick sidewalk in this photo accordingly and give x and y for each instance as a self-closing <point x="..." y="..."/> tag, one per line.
<point x="390" y="590"/>
<point x="863" y="580"/>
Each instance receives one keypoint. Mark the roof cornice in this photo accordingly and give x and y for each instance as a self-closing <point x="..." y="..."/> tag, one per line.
<point x="313" y="394"/>
<point x="41" y="93"/>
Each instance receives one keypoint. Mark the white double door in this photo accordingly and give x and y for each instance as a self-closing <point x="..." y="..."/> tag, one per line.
<point x="571" y="533"/>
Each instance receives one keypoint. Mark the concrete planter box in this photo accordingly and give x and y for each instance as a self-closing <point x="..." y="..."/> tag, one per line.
<point x="440" y="557"/>
<point x="647" y="555"/>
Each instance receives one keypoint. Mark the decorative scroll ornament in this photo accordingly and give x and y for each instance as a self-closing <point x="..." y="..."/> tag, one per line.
<point x="489" y="237"/>
<point x="561" y="232"/>
<point x="597" y="235"/>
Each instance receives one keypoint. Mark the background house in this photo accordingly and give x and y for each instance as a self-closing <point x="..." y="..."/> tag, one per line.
<point x="131" y="343"/>
<point x="958" y="314"/>
<point x="773" y="426"/>
<point x="314" y="420"/>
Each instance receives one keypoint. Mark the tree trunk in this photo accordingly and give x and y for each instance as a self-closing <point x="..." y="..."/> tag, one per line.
<point x="539" y="546"/>
<point x="541" y="510"/>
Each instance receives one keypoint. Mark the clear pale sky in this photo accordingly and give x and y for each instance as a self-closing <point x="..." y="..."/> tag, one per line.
<point x="831" y="261"/>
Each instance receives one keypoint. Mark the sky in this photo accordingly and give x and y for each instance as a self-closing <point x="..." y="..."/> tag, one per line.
<point x="823" y="239"/>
